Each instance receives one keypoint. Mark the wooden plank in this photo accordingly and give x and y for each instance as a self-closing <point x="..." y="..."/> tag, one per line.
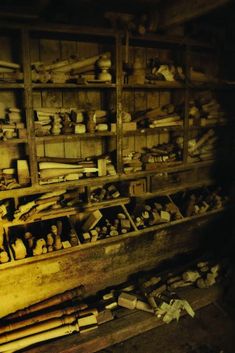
<point x="132" y="323"/>
<point x="175" y="13"/>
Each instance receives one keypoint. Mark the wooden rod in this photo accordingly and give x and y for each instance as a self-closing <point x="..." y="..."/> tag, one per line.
<point x="55" y="300"/>
<point x="39" y="337"/>
<point x="40" y="327"/>
<point x="42" y="317"/>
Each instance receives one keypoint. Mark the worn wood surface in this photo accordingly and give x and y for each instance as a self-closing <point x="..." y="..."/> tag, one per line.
<point x="119" y="330"/>
<point x="116" y="261"/>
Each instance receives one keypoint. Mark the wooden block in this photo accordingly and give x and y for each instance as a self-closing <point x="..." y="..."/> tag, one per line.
<point x="85" y="237"/>
<point x="87" y="323"/>
<point x="92" y="220"/>
<point x="144" y="306"/>
<point x="165" y="216"/>
<point x="94" y="235"/>
<point x="137" y="187"/>
<point x="125" y="223"/>
<point x="104" y="316"/>
<point x="127" y="300"/>
<point x="102" y="167"/>
<point x="66" y="244"/>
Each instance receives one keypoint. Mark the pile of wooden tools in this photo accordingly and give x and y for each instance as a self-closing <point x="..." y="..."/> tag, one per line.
<point x="47" y="204"/>
<point x="205" y="110"/>
<point x="201" y="201"/>
<point x="93" y="69"/>
<point x="62" y="121"/>
<point x="203" y="275"/>
<point x="10" y="72"/>
<point x="159" y="70"/>
<point x="12" y="125"/>
<point x="12" y="178"/>
<point x="54" y="170"/>
<point x="164" y="116"/>
<point x="68" y="312"/>
<point x="102" y="193"/>
<point x="202" y="147"/>
<point x="96" y="226"/>
<point x="151" y="157"/>
<point x="153" y="212"/>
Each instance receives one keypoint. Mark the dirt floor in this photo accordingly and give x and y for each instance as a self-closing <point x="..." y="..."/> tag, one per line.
<point x="211" y="331"/>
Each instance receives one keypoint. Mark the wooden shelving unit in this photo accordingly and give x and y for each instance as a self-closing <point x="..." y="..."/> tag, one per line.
<point x="35" y="40"/>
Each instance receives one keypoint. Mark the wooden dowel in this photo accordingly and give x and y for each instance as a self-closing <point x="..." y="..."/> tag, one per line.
<point x="42" y="317"/>
<point x="34" y="329"/>
<point x="40" y="337"/>
<point x="55" y="300"/>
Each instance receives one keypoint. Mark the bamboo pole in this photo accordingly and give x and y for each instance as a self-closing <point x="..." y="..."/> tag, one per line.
<point x="55" y="300"/>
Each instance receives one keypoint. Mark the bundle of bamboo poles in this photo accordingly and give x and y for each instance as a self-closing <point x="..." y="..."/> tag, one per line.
<point x="45" y="320"/>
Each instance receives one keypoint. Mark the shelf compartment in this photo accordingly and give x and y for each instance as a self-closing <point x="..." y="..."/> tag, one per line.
<point x="38" y="238"/>
<point x="103" y="223"/>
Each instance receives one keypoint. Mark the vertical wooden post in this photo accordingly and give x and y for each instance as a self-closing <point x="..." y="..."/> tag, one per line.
<point x="28" y="105"/>
<point x="186" y="104"/>
<point x="119" y="83"/>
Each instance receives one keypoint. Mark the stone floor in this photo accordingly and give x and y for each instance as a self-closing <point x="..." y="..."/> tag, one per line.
<point x="211" y="331"/>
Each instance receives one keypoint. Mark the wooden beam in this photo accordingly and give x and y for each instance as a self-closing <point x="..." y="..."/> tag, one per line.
<point x="177" y="12"/>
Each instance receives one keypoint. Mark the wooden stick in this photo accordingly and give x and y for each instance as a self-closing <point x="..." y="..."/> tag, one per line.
<point x="40" y="337"/>
<point x="55" y="300"/>
<point x="42" y="317"/>
<point x="40" y="327"/>
<point x="81" y="63"/>
<point x="53" y="173"/>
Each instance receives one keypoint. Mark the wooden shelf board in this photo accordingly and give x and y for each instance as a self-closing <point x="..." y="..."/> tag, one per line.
<point x="111" y="240"/>
<point x="174" y="189"/>
<point x="181" y="41"/>
<point x="74" y="136"/>
<point x="61" y="28"/>
<point x="152" y="131"/>
<point x="67" y="211"/>
<point x="131" y="323"/>
<point x="13" y="85"/>
<point x="13" y="141"/>
<point x="73" y="85"/>
<point x="100" y="180"/>
<point x="157" y="85"/>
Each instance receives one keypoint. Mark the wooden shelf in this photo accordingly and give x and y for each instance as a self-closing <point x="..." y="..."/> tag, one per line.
<point x="37" y="189"/>
<point x="13" y="85"/>
<point x="73" y="85"/>
<point x="119" y="238"/>
<point x="13" y="141"/>
<point x="157" y="85"/>
<point x="74" y="136"/>
<point x="67" y="211"/>
<point x="170" y="40"/>
<point x="130" y="324"/>
<point x="153" y="130"/>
